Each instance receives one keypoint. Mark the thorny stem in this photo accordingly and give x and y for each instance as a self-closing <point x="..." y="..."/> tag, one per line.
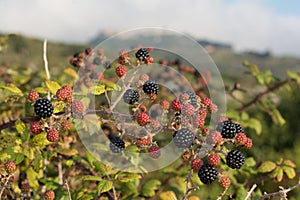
<point x="250" y="191"/>
<point x="46" y="63"/>
<point x="68" y="189"/>
<point x="4" y="186"/>
<point x="222" y="194"/>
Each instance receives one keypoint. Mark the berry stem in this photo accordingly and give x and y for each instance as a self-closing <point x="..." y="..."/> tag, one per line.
<point x="4" y="185"/>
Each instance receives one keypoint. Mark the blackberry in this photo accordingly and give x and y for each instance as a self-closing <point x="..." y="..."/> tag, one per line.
<point x="94" y="75"/>
<point x="183" y="138"/>
<point x="238" y="128"/>
<point x="227" y="129"/>
<point x="207" y="174"/>
<point x="142" y="54"/>
<point x="235" y="159"/>
<point x="43" y="108"/>
<point x="97" y="61"/>
<point x="131" y="96"/>
<point x="150" y="87"/>
<point x="116" y="144"/>
<point x="193" y="98"/>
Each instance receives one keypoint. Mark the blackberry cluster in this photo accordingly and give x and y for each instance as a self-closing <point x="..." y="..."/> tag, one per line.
<point x="193" y="98"/>
<point x="131" y="96"/>
<point x="116" y="144"/>
<point x="43" y="108"/>
<point x="207" y="174"/>
<point x="235" y="159"/>
<point x="227" y="129"/>
<point x="142" y="54"/>
<point x="183" y="138"/>
<point x="150" y="87"/>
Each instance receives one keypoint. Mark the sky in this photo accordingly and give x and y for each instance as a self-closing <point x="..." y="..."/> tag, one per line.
<point x="247" y="25"/>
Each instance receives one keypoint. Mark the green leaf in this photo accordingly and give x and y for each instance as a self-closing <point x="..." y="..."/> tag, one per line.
<point x="250" y="162"/>
<point x="20" y="126"/>
<point x="293" y="75"/>
<point x="277" y="117"/>
<point x="148" y="189"/>
<point x="41" y="90"/>
<point x="266" y="166"/>
<point x="168" y="195"/>
<point x="67" y="152"/>
<point x="71" y="72"/>
<point x="97" y="89"/>
<point x="91" y="178"/>
<point x="111" y="85"/>
<point x="255" y="124"/>
<point x="58" y="106"/>
<point x="279" y="174"/>
<point x="104" y="186"/>
<point x="290" y="172"/>
<point x="19" y="158"/>
<point x="13" y="89"/>
<point x="40" y="140"/>
<point x="241" y="193"/>
<point x="127" y="177"/>
<point x="52" y="86"/>
<point x="101" y="167"/>
<point x="289" y="163"/>
<point x="254" y="69"/>
<point x="90" y="158"/>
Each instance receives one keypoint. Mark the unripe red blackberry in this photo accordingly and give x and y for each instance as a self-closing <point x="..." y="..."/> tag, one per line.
<point x="213" y="108"/>
<point x="88" y="51"/>
<point x="235" y="159"/>
<point x="206" y="102"/>
<point x="183" y="138"/>
<point x="142" y="119"/>
<point x="131" y="96"/>
<point x="33" y="95"/>
<point x="116" y="144"/>
<point x="187" y="109"/>
<point x="43" y="108"/>
<point x="66" y="125"/>
<point x="184" y="98"/>
<point x="176" y="105"/>
<point x="143" y="108"/>
<point x="142" y="54"/>
<point x="248" y="143"/>
<point x="213" y="159"/>
<point x="140" y="142"/>
<point x="10" y="167"/>
<point x="49" y="195"/>
<point x="207" y="174"/>
<point x="205" y="131"/>
<point x="144" y="77"/>
<point x="196" y="164"/>
<point x="155" y="124"/>
<point x="35" y="128"/>
<point x="202" y="113"/>
<point x="240" y="139"/>
<point x="154" y="151"/>
<point x="198" y="121"/>
<point x="215" y="138"/>
<point x="165" y="104"/>
<point x="25" y="187"/>
<point x="222" y="119"/>
<point x="150" y="87"/>
<point x="224" y="181"/>
<point x="152" y="96"/>
<point x="52" y="135"/>
<point x="149" y="60"/>
<point x="121" y="71"/>
<point x="77" y="106"/>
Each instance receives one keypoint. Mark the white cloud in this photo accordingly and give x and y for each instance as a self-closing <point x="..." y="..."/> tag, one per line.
<point x="245" y="24"/>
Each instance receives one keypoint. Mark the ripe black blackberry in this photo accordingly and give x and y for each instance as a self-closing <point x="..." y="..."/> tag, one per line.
<point x="116" y="144"/>
<point x="238" y="128"/>
<point x="193" y="98"/>
<point x="235" y="159"/>
<point x="150" y="87"/>
<point x="43" y="108"/>
<point x="227" y="129"/>
<point x="183" y="138"/>
<point x="207" y="174"/>
<point x="131" y="96"/>
<point x="142" y="54"/>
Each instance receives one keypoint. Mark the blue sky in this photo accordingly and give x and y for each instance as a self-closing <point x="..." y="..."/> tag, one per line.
<point x="257" y="24"/>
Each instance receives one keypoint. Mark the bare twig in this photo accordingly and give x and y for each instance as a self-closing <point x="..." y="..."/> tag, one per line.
<point x="250" y="191"/>
<point x="45" y="59"/>
<point x="222" y="194"/>
<point x="282" y="192"/>
<point x="259" y="96"/>
<point x="107" y="98"/>
<point x="60" y="171"/>
<point x="188" y="188"/>
<point x="12" y="122"/>
<point x="68" y="189"/>
<point x="4" y="186"/>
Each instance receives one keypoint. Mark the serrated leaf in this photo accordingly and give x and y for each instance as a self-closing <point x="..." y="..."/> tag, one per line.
<point x="250" y="162"/>
<point x="293" y="75"/>
<point x="52" y="86"/>
<point x="104" y="186"/>
<point x="58" y="106"/>
<point x="255" y="124"/>
<point x="97" y="89"/>
<point x="289" y="171"/>
<point x="168" y="195"/>
<point x="67" y="152"/>
<point x="91" y="178"/>
<point x="40" y="140"/>
<point x="13" y="89"/>
<point x="289" y="163"/>
<point x="148" y="189"/>
<point x="71" y="72"/>
<point x="266" y="166"/>
<point x="41" y="90"/>
<point x="20" y="126"/>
